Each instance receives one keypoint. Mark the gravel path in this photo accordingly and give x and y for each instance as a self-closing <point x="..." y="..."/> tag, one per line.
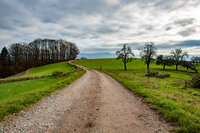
<point x="94" y="103"/>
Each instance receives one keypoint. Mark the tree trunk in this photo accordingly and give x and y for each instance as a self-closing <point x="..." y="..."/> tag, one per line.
<point x="164" y="67"/>
<point x="125" y="66"/>
<point x="148" y="68"/>
<point x="176" y="66"/>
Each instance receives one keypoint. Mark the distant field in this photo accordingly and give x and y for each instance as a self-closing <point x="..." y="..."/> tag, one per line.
<point x="15" y="96"/>
<point x="168" y="96"/>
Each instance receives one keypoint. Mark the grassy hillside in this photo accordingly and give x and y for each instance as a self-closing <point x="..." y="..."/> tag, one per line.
<point x="48" y="69"/>
<point x="15" y="96"/>
<point x="168" y="96"/>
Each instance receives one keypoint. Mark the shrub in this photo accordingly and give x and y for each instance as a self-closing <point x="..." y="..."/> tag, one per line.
<point x="189" y="65"/>
<point x="56" y="73"/>
<point x="151" y="74"/>
<point x="162" y="76"/>
<point x="63" y="74"/>
<point x="83" y="58"/>
<point x="155" y="74"/>
<point x="75" y="68"/>
<point x="195" y="82"/>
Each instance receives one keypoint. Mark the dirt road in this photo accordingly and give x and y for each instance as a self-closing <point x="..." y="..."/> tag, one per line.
<point x="94" y="103"/>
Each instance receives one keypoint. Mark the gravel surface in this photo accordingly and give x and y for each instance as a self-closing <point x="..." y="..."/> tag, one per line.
<point x="94" y="103"/>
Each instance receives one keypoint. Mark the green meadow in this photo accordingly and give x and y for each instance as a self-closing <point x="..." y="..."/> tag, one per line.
<point x="48" y="69"/>
<point x="178" y="104"/>
<point x="15" y="96"/>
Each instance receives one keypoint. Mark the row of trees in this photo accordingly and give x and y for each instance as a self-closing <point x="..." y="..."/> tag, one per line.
<point x="176" y="57"/>
<point x="21" y="56"/>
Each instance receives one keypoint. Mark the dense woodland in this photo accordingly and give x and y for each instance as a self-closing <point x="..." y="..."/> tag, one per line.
<point x="19" y="57"/>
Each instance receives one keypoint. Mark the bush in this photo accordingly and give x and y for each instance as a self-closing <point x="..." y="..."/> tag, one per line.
<point x="75" y="68"/>
<point x="151" y="74"/>
<point x="83" y="58"/>
<point x="63" y="74"/>
<point x="195" y="82"/>
<point x="189" y="65"/>
<point x="162" y="76"/>
<point x="194" y="68"/>
<point x="155" y="74"/>
<point x="56" y="73"/>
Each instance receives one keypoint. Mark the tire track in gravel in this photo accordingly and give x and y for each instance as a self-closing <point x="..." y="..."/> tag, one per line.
<point x="95" y="103"/>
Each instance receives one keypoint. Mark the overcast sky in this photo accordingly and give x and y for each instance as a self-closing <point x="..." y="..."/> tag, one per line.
<point x="99" y="27"/>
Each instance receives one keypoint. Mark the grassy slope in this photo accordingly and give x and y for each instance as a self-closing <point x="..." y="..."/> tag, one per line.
<point x="177" y="105"/>
<point x="15" y="96"/>
<point x="48" y="69"/>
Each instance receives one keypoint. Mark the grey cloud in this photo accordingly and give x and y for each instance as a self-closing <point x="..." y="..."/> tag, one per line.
<point x="138" y="33"/>
<point x="71" y="27"/>
<point x="49" y="20"/>
<point x="5" y="13"/>
<point x="106" y="48"/>
<point x="123" y="26"/>
<point x="147" y="27"/>
<point x="184" y="22"/>
<point x="180" y="44"/>
<point x="168" y="28"/>
<point x="188" y="43"/>
<point x="13" y="16"/>
<point x="170" y="5"/>
<point x="7" y="26"/>
<point x="106" y="30"/>
<point x="55" y="10"/>
<point x="134" y="45"/>
<point x="187" y="32"/>
<point x="102" y="48"/>
<point x="72" y="34"/>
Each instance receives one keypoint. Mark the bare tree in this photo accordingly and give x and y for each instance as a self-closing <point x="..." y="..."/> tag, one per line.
<point x="125" y="54"/>
<point x="147" y="53"/>
<point x="4" y="63"/>
<point x="195" y="60"/>
<point x="165" y="61"/>
<point x="189" y="65"/>
<point x="74" y="51"/>
<point x="16" y="51"/>
<point x="178" y="55"/>
<point x="4" y="55"/>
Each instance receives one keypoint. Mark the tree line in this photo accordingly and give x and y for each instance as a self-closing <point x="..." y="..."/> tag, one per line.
<point x="176" y="57"/>
<point x="19" y="57"/>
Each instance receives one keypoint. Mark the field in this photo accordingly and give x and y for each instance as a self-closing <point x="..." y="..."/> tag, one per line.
<point x="15" y="96"/>
<point x="177" y="104"/>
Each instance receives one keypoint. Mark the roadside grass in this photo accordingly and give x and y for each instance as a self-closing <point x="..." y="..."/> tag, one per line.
<point x="15" y="96"/>
<point x="169" y="96"/>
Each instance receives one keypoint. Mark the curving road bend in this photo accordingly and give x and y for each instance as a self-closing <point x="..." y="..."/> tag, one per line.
<point x="95" y="103"/>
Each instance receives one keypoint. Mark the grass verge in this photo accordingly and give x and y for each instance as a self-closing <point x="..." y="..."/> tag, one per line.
<point x="177" y="104"/>
<point x="15" y="96"/>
